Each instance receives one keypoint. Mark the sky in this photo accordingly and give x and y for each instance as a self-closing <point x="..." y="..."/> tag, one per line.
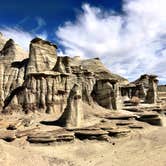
<point x="129" y="36"/>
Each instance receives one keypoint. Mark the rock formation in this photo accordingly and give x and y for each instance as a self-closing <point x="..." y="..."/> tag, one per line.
<point x="47" y="83"/>
<point x="144" y="88"/>
<point x="106" y="93"/>
<point x="73" y="113"/>
<point x="11" y="70"/>
<point x="3" y="40"/>
<point x="152" y="91"/>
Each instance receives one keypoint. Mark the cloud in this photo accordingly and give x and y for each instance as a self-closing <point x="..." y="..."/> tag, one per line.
<point x="130" y="44"/>
<point x="40" y="24"/>
<point x="20" y="36"/>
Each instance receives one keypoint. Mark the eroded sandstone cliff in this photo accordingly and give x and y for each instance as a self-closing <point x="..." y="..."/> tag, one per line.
<point x="45" y="82"/>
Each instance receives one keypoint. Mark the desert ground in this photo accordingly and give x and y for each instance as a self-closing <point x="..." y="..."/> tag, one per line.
<point x="140" y="149"/>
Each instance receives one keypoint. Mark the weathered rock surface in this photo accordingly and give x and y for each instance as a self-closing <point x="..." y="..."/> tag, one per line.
<point x="73" y="113"/>
<point x="118" y="132"/>
<point x="144" y="88"/>
<point x="2" y="40"/>
<point x="121" y="117"/>
<point x="12" y="68"/>
<point x="134" y="126"/>
<point x="45" y="82"/>
<point x="50" y="136"/>
<point x="42" y="56"/>
<point x="90" y="133"/>
<point x="26" y="133"/>
<point x="152" y="91"/>
<point x="153" y="119"/>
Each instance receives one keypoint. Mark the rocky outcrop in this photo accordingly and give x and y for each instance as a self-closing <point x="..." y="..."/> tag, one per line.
<point x="104" y="93"/>
<point x="144" y="88"/>
<point x="51" y="136"/>
<point x="11" y="70"/>
<point x="42" y="56"/>
<point x="2" y="40"/>
<point x="47" y="83"/>
<point x="147" y="88"/>
<point x="162" y="92"/>
<point x="152" y="95"/>
<point x="73" y="113"/>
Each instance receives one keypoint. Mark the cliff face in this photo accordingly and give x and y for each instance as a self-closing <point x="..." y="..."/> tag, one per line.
<point x="2" y="41"/>
<point x="11" y="70"/>
<point x="45" y="82"/>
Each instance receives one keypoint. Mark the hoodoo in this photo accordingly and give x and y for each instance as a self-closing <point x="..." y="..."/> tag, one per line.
<point x="48" y="83"/>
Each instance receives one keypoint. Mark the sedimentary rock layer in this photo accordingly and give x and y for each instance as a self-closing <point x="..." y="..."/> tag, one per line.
<point x="45" y="82"/>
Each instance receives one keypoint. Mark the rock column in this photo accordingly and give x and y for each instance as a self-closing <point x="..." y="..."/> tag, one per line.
<point x="152" y="91"/>
<point x="116" y="98"/>
<point x="72" y="115"/>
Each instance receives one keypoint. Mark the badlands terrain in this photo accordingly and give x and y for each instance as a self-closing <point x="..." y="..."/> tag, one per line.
<point x="66" y="111"/>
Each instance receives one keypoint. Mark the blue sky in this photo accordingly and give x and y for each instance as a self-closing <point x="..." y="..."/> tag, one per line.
<point x="36" y="16"/>
<point x="129" y="36"/>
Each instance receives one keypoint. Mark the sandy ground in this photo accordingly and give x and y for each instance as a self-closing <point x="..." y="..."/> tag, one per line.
<point x="143" y="147"/>
<point x="140" y="149"/>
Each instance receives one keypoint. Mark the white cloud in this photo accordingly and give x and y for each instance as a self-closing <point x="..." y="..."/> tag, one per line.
<point x="20" y="36"/>
<point x="40" y="24"/>
<point x="130" y="44"/>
